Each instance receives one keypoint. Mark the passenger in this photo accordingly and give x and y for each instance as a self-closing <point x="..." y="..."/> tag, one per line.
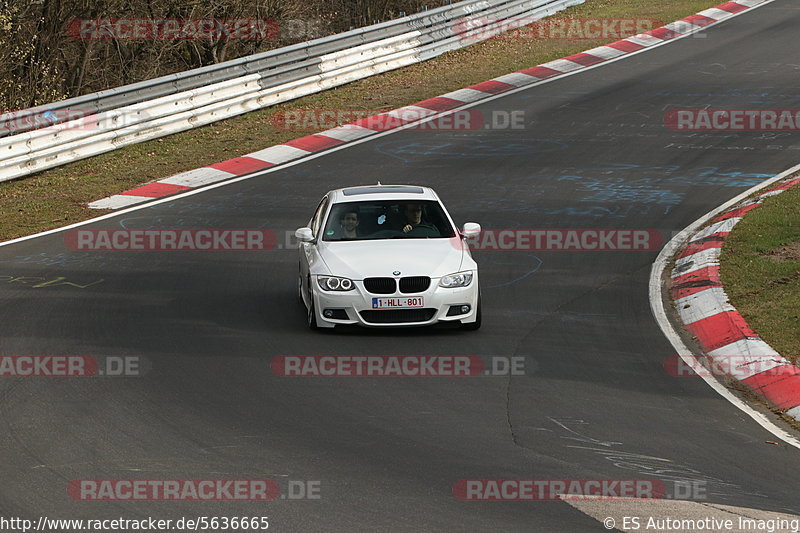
<point x="349" y="222"/>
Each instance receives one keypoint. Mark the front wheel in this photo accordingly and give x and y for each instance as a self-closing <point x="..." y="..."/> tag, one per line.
<point x="312" y="313"/>
<point x="472" y="326"/>
<point x="300" y="290"/>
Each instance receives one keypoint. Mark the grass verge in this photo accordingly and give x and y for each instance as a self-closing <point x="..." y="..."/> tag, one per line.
<point x="760" y="268"/>
<point x="57" y="197"/>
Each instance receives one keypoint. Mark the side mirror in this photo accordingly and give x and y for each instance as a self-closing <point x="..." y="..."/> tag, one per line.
<point x="471" y="229"/>
<point x="304" y="235"/>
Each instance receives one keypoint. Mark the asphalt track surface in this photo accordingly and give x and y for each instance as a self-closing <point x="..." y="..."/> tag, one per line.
<point x="596" y="403"/>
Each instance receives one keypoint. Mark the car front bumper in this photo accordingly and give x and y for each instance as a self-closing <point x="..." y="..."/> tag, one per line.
<point x="439" y="305"/>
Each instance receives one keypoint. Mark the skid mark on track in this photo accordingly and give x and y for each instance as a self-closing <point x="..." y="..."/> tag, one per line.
<point x="38" y="282"/>
<point x="484" y="261"/>
<point x="576" y="431"/>
<point x="412" y="151"/>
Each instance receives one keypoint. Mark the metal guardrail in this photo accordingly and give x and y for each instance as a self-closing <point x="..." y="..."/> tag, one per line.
<point x="170" y="104"/>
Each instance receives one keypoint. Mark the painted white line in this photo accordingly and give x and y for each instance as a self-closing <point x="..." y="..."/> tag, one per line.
<point x="715" y="13"/>
<point x="466" y="95"/>
<point x="291" y="163"/>
<point x="705" y="258"/>
<point x="198" y="177"/>
<point x="748" y="204"/>
<point x="660" y="313"/>
<point x="606" y="52"/>
<point x="117" y="201"/>
<point x="703" y="304"/>
<point x="348" y="132"/>
<point x="748" y="357"/>
<point x="681" y="26"/>
<point x="410" y="112"/>
<point x="562" y="65"/>
<point x="755" y="347"/>
<point x="741" y="367"/>
<point x="278" y="154"/>
<point x="723" y="226"/>
<point x="646" y="40"/>
<point x="516" y="78"/>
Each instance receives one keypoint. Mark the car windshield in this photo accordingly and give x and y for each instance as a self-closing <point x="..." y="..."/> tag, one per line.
<point x="387" y="219"/>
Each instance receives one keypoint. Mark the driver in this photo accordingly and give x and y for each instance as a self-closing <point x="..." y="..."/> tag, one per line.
<point x="413" y="216"/>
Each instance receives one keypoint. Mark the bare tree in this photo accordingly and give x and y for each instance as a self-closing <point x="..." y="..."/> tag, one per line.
<point x="46" y="59"/>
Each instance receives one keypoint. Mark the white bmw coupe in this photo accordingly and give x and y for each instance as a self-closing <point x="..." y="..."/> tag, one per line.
<point x="387" y="255"/>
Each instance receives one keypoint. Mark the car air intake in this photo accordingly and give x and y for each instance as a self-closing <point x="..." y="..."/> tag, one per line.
<point x="380" y="285"/>
<point x="415" y="284"/>
<point x="397" y="316"/>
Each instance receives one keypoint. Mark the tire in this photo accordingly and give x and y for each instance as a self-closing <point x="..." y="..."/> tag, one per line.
<point x="311" y="318"/>
<point x="472" y="326"/>
<point x="300" y="291"/>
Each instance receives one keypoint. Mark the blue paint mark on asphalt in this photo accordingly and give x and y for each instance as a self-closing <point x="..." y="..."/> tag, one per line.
<point x="621" y="190"/>
<point x="615" y="190"/>
<point x="655" y="191"/>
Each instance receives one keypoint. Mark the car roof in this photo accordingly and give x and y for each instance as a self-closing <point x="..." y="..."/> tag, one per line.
<point x="382" y="192"/>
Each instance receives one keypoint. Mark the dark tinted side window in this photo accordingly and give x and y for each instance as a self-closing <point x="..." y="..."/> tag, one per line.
<point x="317" y="220"/>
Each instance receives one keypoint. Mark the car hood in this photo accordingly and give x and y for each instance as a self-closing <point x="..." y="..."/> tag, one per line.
<point x="381" y="258"/>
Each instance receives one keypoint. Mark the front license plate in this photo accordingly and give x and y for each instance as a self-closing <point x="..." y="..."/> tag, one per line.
<point x="405" y="302"/>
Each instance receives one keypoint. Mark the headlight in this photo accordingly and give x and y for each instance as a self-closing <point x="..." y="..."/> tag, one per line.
<point x="459" y="279"/>
<point x="330" y="283"/>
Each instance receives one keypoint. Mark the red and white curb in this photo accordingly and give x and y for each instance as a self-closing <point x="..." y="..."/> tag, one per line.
<point x="359" y="129"/>
<point x="721" y="331"/>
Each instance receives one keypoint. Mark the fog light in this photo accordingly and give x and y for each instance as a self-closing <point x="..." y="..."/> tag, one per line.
<point x="335" y="314"/>
<point x="456" y="310"/>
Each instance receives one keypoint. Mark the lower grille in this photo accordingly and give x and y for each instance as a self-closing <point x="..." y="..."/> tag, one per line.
<point x="414" y="284"/>
<point x="390" y="316"/>
<point x="380" y="285"/>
